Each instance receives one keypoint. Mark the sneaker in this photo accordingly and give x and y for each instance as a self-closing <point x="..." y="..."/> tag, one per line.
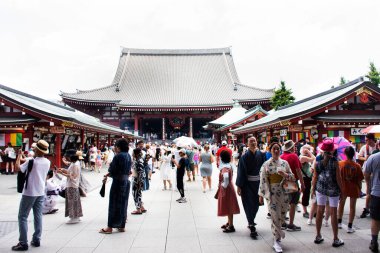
<point x="350" y="230"/>
<point x="362" y="194"/>
<point x="178" y="199"/>
<point x="298" y="208"/>
<point x="20" y="247"/>
<point x="229" y="229"/>
<point x="253" y="233"/>
<point x="365" y="213"/>
<point x="292" y="228"/>
<point x="318" y="240"/>
<point x="277" y="247"/>
<point x="374" y="246"/>
<point x="306" y="215"/>
<point x="340" y="226"/>
<point x="325" y="222"/>
<point x="183" y="200"/>
<point x="269" y="216"/>
<point x="338" y="243"/>
<point x="73" y="221"/>
<point x="35" y="243"/>
<point x="283" y="226"/>
<point x="309" y="222"/>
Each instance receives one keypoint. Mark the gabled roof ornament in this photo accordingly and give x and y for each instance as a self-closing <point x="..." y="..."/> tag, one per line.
<point x="117" y="89"/>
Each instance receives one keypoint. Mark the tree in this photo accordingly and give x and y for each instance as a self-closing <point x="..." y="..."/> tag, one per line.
<point x="282" y="97"/>
<point x="343" y="81"/>
<point x="373" y="74"/>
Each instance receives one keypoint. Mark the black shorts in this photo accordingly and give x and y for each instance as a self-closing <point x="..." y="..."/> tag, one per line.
<point x="374" y="207"/>
<point x="294" y="198"/>
<point x="190" y="167"/>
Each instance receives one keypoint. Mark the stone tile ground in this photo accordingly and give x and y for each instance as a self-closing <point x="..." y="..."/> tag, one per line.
<point x="167" y="226"/>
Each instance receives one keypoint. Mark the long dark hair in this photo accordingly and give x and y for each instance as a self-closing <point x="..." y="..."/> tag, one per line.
<point x="122" y="144"/>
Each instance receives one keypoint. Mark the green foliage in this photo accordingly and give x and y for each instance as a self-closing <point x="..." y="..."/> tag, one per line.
<point x="282" y="97"/>
<point x="343" y="81"/>
<point x="373" y="74"/>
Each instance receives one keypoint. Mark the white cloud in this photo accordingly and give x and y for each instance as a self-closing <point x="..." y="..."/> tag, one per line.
<point x="68" y="45"/>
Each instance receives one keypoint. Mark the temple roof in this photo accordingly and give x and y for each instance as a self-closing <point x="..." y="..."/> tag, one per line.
<point x="237" y="112"/>
<point x="306" y="106"/>
<point x="172" y="78"/>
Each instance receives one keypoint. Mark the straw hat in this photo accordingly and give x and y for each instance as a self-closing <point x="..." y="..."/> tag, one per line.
<point x="288" y="145"/>
<point x="43" y="146"/>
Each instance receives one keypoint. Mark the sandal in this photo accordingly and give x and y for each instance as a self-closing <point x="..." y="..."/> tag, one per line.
<point x="121" y="230"/>
<point x="136" y="212"/>
<point x="224" y="226"/>
<point x="104" y="231"/>
<point x="144" y="210"/>
<point x="229" y="229"/>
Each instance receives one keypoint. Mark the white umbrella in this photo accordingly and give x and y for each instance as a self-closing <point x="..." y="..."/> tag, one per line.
<point x="184" y="141"/>
<point x="372" y="129"/>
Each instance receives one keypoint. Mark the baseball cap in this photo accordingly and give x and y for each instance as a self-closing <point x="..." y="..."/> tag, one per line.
<point x="224" y="143"/>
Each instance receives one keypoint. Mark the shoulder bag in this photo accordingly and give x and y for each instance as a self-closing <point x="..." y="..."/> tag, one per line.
<point x="22" y="178"/>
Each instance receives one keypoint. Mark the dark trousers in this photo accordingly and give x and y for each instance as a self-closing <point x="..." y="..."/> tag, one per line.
<point x="306" y="192"/>
<point x="181" y="190"/>
<point x="250" y="200"/>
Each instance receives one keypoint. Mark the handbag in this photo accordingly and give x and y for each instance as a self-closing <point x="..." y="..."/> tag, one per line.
<point x="289" y="186"/>
<point x="103" y="190"/>
<point x="22" y="177"/>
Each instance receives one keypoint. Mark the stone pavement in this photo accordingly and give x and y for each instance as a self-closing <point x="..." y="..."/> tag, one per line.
<point x="168" y="226"/>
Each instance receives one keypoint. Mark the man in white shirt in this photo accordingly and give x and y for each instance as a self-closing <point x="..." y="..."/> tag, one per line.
<point x="32" y="195"/>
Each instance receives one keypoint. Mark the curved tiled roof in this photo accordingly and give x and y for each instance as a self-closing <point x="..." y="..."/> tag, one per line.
<point x="172" y="78"/>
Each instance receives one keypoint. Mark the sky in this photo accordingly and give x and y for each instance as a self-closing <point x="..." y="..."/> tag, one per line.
<point x="51" y="46"/>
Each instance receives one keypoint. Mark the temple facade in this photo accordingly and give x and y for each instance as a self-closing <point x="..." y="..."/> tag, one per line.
<point x="163" y="94"/>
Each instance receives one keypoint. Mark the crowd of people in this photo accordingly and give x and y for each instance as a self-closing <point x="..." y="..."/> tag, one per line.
<point x="278" y="175"/>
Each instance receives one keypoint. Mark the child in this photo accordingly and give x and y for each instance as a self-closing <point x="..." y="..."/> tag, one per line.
<point x="98" y="162"/>
<point x="227" y="200"/>
<point x="92" y="160"/>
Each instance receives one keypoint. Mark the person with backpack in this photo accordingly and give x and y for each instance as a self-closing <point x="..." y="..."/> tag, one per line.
<point x="33" y="194"/>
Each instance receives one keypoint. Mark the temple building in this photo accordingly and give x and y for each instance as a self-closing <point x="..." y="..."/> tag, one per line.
<point x="343" y="111"/>
<point x="163" y="94"/>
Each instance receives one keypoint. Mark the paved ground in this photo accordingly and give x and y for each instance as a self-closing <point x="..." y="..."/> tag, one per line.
<point x="167" y="226"/>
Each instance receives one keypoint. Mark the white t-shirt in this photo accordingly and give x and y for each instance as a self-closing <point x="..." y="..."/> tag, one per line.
<point x="37" y="177"/>
<point x="74" y="175"/>
<point x="10" y="152"/>
<point x="363" y="150"/>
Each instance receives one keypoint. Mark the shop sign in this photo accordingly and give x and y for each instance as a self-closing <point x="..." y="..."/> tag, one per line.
<point x="57" y="130"/>
<point x="314" y="133"/>
<point x="283" y="132"/>
<point x="295" y="128"/>
<point x="357" y="131"/>
<point x="67" y="124"/>
<point x="263" y="134"/>
<point x="69" y="132"/>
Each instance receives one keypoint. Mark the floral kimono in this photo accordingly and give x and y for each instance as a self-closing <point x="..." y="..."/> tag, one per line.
<point x="271" y="189"/>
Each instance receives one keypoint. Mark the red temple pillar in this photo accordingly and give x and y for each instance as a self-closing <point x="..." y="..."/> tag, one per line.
<point x="136" y="119"/>
<point x="243" y="138"/>
<point x="82" y="138"/>
<point x="58" y="149"/>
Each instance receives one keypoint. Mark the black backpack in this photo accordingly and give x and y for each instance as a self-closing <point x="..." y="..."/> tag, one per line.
<point x="22" y="178"/>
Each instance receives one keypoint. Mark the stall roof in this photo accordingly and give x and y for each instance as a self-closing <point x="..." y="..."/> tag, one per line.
<point x="237" y="112"/>
<point x="306" y="105"/>
<point x="56" y="111"/>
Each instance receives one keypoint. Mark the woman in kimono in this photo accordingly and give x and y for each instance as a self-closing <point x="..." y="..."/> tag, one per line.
<point x="273" y="172"/>
<point x="138" y="181"/>
<point x="119" y="171"/>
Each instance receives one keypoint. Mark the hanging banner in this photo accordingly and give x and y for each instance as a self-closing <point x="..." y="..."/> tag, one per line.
<point x="2" y="140"/>
<point x="357" y="131"/>
<point x="283" y="132"/>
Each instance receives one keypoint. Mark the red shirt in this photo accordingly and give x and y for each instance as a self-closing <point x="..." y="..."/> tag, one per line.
<point x="223" y="148"/>
<point x="294" y="162"/>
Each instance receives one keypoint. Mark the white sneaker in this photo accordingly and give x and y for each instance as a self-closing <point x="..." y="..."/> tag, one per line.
<point x="350" y="230"/>
<point x="277" y="247"/>
<point x="182" y="200"/>
<point x="326" y="222"/>
<point x="298" y="209"/>
<point x="340" y="226"/>
<point x="309" y="222"/>
<point x="73" y="221"/>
